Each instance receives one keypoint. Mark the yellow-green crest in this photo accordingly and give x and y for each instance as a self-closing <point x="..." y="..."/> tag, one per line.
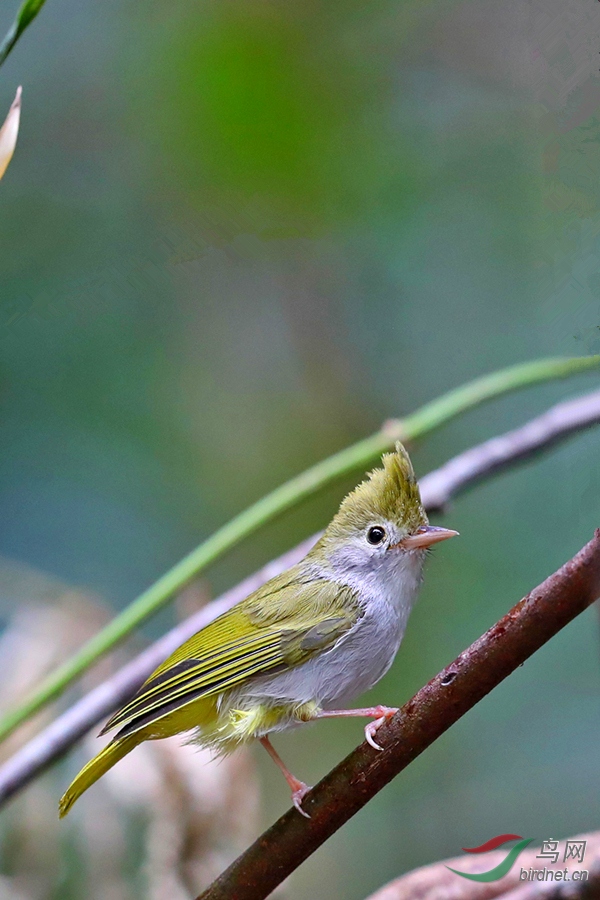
<point x="390" y="493"/>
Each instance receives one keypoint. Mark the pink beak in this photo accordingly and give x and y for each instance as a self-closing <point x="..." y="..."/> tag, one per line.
<point x="425" y="536"/>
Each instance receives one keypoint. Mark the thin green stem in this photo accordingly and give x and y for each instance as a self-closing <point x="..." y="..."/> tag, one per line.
<point x="469" y="395"/>
<point x="358" y="456"/>
<point x="27" y="13"/>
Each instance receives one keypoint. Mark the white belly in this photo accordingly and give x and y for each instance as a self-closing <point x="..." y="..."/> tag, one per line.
<point x="358" y="660"/>
<point x="350" y="668"/>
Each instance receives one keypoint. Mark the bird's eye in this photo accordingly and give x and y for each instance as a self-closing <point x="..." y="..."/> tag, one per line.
<point x="376" y="535"/>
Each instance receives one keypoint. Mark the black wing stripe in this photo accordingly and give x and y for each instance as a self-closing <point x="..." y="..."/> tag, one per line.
<point x="174" y="704"/>
<point x="226" y="674"/>
<point x="170" y="679"/>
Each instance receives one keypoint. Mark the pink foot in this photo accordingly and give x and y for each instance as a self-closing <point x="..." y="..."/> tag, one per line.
<point x="383" y="713"/>
<point x="298" y="795"/>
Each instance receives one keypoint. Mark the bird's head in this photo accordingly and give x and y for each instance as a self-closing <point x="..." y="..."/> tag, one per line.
<point x="382" y="521"/>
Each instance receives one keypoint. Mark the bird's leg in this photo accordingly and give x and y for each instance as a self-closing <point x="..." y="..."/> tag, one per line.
<point x="299" y="789"/>
<point x="380" y="713"/>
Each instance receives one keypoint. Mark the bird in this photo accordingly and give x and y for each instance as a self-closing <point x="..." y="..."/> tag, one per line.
<point x="299" y="648"/>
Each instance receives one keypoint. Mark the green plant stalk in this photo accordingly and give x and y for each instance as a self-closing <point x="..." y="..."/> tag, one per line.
<point x="359" y="455"/>
<point x="24" y="17"/>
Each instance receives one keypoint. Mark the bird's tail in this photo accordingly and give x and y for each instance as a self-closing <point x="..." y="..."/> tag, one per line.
<point x="96" y="767"/>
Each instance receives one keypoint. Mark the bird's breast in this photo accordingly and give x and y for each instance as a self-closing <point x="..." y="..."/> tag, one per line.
<point x="353" y="665"/>
<point x="360" y="658"/>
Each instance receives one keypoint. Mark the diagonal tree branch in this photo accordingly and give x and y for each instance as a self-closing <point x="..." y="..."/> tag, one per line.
<point x="424" y="420"/>
<point x="437" y="489"/>
<point x="58" y="737"/>
<point x="437" y="706"/>
<point x="540" y="433"/>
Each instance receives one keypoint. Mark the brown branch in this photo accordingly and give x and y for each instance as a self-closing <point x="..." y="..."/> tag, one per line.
<point x="435" y="881"/>
<point x="437" y="706"/>
<point x="437" y="488"/>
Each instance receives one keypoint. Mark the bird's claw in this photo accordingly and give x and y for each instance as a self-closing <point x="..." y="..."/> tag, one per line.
<point x="370" y="731"/>
<point x="383" y="713"/>
<point x="298" y="796"/>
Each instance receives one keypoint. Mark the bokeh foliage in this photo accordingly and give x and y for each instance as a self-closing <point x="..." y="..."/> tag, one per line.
<point x="236" y="237"/>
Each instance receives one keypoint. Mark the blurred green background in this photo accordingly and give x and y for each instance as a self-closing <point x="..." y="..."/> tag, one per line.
<point x="236" y="237"/>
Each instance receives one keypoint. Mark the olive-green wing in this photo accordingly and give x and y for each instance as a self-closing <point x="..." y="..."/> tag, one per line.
<point x="282" y="625"/>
